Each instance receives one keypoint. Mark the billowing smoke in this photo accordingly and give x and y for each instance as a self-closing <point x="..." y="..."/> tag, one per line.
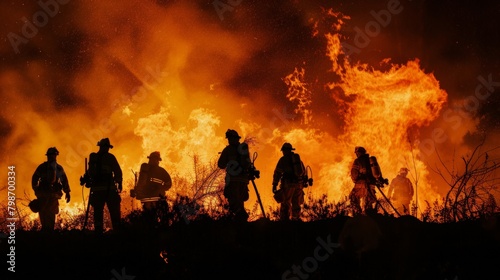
<point x="173" y="76"/>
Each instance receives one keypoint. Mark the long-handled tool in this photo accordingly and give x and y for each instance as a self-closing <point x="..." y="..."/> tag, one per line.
<point x="378" y="185"/>
<point x="133" y="192"/>
<point x="87" y="212"/>
<point x="372" y="195"/>
<point x="84" y="180"/>
<point x="380" y="181"/>
<point x="254" y="173"/>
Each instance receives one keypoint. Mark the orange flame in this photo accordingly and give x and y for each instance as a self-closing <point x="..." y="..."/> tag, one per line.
<point x="380" y="108"/>
<point x="170" y="91"/>
<point x="297" y="90"/>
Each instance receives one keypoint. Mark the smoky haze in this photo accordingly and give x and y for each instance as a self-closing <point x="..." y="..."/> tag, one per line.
<point x="174" y="75"/>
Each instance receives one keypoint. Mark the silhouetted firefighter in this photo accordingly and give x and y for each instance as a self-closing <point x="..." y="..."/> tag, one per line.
<point x="291" y="173"/>
<point x="401" y="191"/>
<point x="235" y="159"/>
<point x="49" y="181"/>
<point x="366" y="175"/>
<point x="364" y="183"/>
<point x="104" y="178"/>
<point x="152" y="184"/>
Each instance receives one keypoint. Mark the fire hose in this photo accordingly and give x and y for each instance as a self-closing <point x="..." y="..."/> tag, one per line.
<point x="379" y="185"/>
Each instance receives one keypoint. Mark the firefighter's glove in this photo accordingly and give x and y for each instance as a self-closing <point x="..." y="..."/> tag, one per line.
<point x="82" y="180"/>
<point x="68" y="197"/>
<point x="85" y="180"/>
<point x="381" y="182"/>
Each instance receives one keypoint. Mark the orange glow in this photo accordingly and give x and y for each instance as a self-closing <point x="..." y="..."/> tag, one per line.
<point x="297" y="91"/>
<point x="152" y="82"/>
<point x="379" y="110"/>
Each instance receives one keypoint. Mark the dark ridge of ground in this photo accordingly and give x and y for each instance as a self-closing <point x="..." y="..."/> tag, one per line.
<point x="375" y="247"/>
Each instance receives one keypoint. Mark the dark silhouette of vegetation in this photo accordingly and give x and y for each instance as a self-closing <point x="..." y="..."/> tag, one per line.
<point x="471" y="186"/>
<point x="323" y="209"/>
<point x="194" y="239"/>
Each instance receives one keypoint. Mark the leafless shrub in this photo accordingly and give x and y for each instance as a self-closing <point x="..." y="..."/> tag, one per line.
<point x="471" y="187"/>
<point x="322" y="209"/>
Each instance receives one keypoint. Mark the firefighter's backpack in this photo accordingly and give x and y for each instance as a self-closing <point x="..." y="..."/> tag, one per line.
<point x="298" y="166"/>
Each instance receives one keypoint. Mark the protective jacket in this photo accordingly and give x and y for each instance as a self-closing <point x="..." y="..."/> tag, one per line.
<point x="104" y="171"/>
<point x="364" y="181"/>
<point x="401" y="188"/>
<point x="153" y="182"/>
<point x="289" y="169"/>
<point x="236" y="160"/>
<point x="361" y="172"/>
<point x="48" y="182"/>
<point x="50" y="178"/>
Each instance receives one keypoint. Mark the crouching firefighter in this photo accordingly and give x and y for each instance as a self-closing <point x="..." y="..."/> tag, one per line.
<point x="151" y="186"/>
<point x="291" y="173"/>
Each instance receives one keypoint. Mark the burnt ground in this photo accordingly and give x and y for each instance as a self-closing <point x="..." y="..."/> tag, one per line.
<point x="375" y="247"/>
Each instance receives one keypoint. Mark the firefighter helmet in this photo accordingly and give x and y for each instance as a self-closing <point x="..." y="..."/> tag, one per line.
<point x="52" y="151"/>
<point x="403" y="171"/>
<point x="287" y="146"/>
<point x="279" y="196"/>
<point x="155" y="155"/>
<point x="230" y="133"/>
<point x="34" y="205"/>
<point x="359" y="150"/>
<point x="104" y="142"/>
